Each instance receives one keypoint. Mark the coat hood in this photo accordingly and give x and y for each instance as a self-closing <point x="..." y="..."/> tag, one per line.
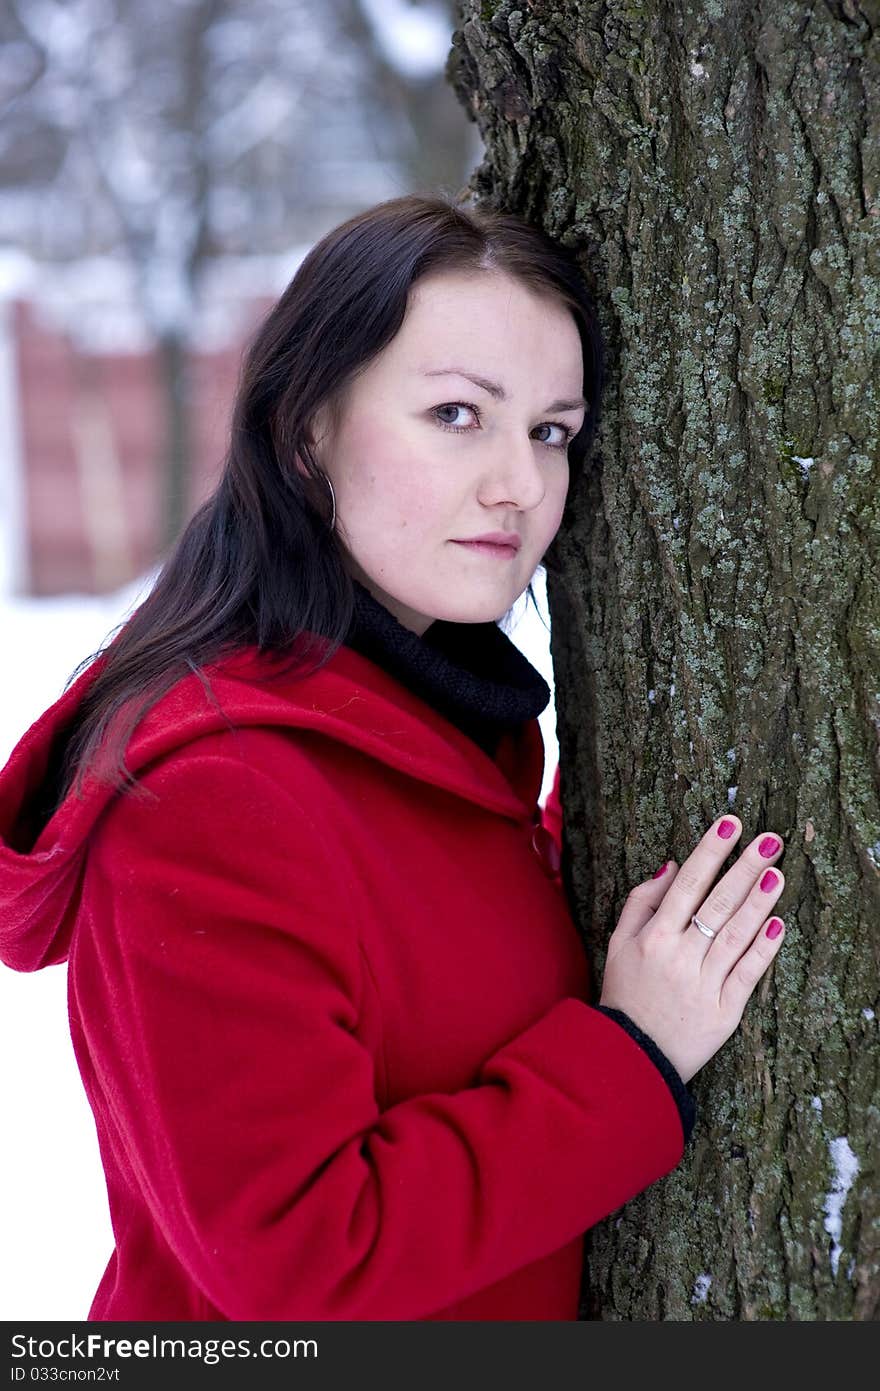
<point x="350" y="699"/>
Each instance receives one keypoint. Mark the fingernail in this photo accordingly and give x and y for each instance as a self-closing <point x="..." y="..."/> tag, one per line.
<point x="774" y="927"/>
<point x="769" y="845"/>
<point x="726" y="829"/>
<point x="661" y="870"/>
<point x="769" y="881"/>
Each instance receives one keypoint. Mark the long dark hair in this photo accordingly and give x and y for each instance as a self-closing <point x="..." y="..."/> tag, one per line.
<point x="257" y="565"/>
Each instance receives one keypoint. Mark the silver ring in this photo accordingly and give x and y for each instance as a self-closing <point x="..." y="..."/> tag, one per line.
<point x="706" y="931"/>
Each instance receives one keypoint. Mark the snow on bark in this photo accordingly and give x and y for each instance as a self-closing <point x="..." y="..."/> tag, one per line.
<point x="846" y="1166"/>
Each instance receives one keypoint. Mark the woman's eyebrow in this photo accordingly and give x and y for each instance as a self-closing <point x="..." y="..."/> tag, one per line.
<point x="497" y="391"/>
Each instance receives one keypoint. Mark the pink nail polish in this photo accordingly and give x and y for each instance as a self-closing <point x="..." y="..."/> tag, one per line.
<point x="769" y="881"/>
<point x="726" y="829"/>
<point x="661" y="870"/>
<point x="774" y="927"/>
<point x="769" y="845"/>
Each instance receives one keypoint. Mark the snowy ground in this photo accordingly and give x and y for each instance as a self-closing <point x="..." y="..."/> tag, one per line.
<point x="54" y="1225"/>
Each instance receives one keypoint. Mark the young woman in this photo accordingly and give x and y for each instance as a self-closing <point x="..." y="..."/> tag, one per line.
<point x="329" y="1006"/>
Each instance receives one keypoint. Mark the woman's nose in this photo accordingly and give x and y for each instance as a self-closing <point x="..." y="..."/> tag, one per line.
<point x="516" y="477"/>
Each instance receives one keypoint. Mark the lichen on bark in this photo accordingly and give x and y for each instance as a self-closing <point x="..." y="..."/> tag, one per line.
<point x="716" y="626"/>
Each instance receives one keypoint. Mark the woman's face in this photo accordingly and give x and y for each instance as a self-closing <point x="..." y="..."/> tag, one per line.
<point x="424" y="458"/>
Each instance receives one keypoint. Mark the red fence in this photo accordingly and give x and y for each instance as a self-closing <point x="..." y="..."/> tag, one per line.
<point x="91" y="432"/>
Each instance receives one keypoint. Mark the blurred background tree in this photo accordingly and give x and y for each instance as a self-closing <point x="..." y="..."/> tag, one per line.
<point x="169" y="135"/>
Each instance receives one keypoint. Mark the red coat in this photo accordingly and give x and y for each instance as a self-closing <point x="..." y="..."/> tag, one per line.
<point x="329" y="1008"/>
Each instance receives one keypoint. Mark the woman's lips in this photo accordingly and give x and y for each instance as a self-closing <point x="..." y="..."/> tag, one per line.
<point x="489" y="548"/>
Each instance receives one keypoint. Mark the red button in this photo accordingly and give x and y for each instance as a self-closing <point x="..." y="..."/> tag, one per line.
<point x="547" y="850"/>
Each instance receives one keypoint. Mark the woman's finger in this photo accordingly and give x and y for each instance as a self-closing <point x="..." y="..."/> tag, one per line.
<point x="643" y="901"/>
<point x="697" y="875"/>
<point x="751" y="966"/>
<point x="738" y="887"/>
<point x="738" y="934"/>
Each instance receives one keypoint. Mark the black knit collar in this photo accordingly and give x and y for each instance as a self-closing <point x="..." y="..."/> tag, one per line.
<point x="471" y="673"/>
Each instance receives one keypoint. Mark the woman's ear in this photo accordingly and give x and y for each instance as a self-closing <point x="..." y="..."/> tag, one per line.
<point x="319" y="428"/>
<point x="311" y="434"/>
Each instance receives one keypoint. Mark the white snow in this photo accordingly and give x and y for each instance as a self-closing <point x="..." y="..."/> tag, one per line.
<point x="806" y="463"/>
<point x="228" y="287"/>
<point x="527" y="629"/>
<point x="95" y="302"/>
<point x="415" y="39"/>
<point x="868" y="1013"/>
<point x="816" y="1103"/>
<point x="18" y="275"/>
<point x="846" y="1166"/>
<point x="53" y="1207"/>
<point x="701" y="1289"/>
<point x="44" y="640"/>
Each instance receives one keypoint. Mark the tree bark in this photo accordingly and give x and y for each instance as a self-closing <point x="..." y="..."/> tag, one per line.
<point x="716" y="625"/>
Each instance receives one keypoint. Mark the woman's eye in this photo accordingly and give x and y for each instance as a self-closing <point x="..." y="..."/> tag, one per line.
<point x="456" y="406"/>
<point x="565" y="433"/>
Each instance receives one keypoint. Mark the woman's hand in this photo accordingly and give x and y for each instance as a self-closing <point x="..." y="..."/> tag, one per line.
<point x="684" y="990"/>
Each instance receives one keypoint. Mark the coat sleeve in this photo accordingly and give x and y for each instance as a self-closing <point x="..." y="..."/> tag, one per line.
<point x="219" y="983"/>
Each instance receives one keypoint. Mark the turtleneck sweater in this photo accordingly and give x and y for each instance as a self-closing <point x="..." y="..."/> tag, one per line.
<point x="480" y="681"/>
<point x="469" y="672"/>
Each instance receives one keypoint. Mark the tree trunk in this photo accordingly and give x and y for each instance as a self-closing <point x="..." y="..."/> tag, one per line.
<point x="716" y="628"/>
<point x="174" y="379"/>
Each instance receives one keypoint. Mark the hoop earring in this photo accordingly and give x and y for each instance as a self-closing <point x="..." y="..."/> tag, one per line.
<point x="333" y="496"/>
